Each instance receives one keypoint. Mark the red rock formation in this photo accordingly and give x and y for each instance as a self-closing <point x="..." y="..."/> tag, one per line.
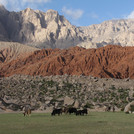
<point x="110" y="61"/>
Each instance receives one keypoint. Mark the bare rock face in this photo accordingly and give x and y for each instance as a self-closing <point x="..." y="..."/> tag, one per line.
<point x="38" y="29"/>
<point x="76" y="104"/>
<point x="128" y="107"/>
<point x="68" y="101"/>
<point x="119" y="32"/>
<point x="3" y="31"/>
<point x="51" y="30"/>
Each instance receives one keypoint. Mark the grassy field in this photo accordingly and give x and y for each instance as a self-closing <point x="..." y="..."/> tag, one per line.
<point x="93" y="123"/>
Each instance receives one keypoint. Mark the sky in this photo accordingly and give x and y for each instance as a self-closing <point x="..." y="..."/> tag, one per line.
<point x="78" y="12"/>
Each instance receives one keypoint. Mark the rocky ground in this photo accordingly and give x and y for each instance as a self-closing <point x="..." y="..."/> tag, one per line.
<point x="45" y="93"/>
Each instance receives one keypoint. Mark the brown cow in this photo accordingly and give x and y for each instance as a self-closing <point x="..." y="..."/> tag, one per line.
<point x="27" y="110"/>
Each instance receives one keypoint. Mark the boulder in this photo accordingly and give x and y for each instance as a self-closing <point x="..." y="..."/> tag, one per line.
<point x="41" y="108"/>
<point x="128" y="107"/>
<point x="68" y="101"/>
<point x="8" y="99"/>
<point x="49" y="109"/>
<point x="76" y="104"/>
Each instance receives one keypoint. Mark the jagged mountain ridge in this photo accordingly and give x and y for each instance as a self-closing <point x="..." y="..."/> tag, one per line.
<point x="36" y="28"/>
<point x="117" y="32"/>
<point x="111" y="61"/>
<point x="51" y="30"/>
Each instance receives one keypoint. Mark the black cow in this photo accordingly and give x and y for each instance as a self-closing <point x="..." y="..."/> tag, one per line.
<point x="108" y="108"/>
<point x="78" y="112"/>
<point x="56" y="111"/>
<point x="72" y="110"/>
<point x="82" y="112"/>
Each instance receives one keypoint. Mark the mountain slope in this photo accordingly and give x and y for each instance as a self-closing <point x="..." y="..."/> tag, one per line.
<point x="10" y="51"/>
<point x="117" y="32"/>
<point x="110" y="61"/>
<point x="51" y="30"/>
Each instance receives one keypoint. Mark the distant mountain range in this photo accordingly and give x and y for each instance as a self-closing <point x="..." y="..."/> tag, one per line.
<point x="38" y="29"/>
<point x="51" y="30"/>
<point x="116" y="32"/>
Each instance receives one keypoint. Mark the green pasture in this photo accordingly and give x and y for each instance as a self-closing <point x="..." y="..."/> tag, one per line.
<point x="93" y="123"/>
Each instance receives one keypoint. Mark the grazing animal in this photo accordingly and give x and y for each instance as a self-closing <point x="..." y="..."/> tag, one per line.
<point x="56" y="111"/>
<point x="72" y="110"/>
<point x="78" y="112"/>
<point x="108" y="108"/>
<point x="82" y="112"/>
<point x="65" y="110"/>
<point x="113" y="109"/>
<point x="27" y="110"/>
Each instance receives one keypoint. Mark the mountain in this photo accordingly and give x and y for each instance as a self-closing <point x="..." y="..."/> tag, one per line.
<point x="10" y="51"/>
<point x="117" y="32"/>
<point x="112" y="61"/>
<point x="51" y="30"/>
<point x="38" y="29"/>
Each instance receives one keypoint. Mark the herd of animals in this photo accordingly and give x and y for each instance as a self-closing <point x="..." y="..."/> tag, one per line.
<point x="66" y="110"/>
<point x="27" y="111"/>
<point x="69" y="110"/>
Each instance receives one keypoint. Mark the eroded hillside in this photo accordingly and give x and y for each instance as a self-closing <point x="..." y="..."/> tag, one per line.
<point x="106" y="62"/>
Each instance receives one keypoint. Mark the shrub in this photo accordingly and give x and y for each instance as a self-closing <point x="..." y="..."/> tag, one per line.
<point x="120" y="90"/>
<point x="113" y="94"/>
<point x="95" y="99"/>
<point x="102" y="100"/>
<point x="88" y="105"/>
<point x="68" y="85"/>
<point x="33" y="86"/>
<point x="53" y="101"/>
<point x="131" y="108"/>
<point x="50" y="83"/>
<point x="122" y="108"/>
<point x="112" y="87"/>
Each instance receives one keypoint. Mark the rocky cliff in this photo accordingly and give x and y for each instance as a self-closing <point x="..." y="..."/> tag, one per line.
<point x="110" y="61"/>
<point x="51" y="30"/>
<point x="119" y="32"/>
<point x="36" y="28"/>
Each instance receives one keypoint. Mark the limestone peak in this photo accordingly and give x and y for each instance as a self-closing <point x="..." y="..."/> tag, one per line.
<point x="2" y="8"/>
